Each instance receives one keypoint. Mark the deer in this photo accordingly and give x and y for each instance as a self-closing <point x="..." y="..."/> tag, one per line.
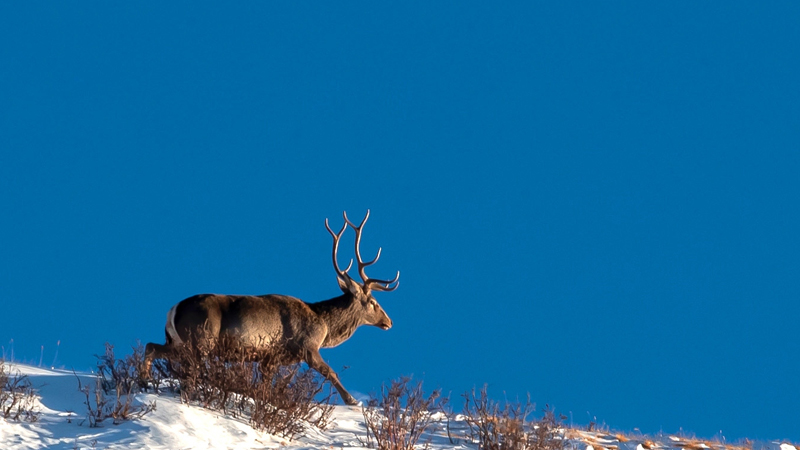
<point x="301" y="328"/>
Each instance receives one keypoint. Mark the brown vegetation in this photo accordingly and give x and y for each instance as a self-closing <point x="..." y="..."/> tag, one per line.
<point x="397" y="419"/>
<point x="123" y="379"/>
<point x="221" y="374"/>
<point x="17" y="397"/>
<point x="507" y="427"/>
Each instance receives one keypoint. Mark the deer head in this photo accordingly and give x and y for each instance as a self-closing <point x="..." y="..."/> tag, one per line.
<point x="361" y="292"/>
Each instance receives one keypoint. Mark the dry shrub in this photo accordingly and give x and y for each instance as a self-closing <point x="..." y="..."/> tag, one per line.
<point x="123" y="375"/>
<point x="397" y="419"/>
<point x="17" y="397"/>
<point x="506" y="427"/>
<point x="226" y="375"/>
<point x="123" y="378"/>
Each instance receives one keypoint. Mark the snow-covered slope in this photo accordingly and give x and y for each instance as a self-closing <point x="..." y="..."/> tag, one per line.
<point x="174" y="425"/>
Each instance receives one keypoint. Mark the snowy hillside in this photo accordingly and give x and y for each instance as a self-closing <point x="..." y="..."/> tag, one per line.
<point x="62" y="424"/>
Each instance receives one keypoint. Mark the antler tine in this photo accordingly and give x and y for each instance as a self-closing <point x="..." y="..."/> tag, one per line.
<point x="384" y="285"/>
<point x="349" y="265"/>
<point x="361" y="264"/>
<point x="336" y="237"/>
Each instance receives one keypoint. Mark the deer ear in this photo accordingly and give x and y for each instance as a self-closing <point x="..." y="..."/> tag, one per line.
<point x="348" y="286"/>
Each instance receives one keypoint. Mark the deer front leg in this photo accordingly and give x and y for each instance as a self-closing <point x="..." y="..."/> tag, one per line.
<point x="316" y="362"/>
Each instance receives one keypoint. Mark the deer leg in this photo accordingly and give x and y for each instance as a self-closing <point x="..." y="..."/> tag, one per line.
<point x="154" y="351"/>
<point x="316" y="362"/>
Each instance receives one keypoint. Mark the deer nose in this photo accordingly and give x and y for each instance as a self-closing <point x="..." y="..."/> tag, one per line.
<point x="385" y="324"/>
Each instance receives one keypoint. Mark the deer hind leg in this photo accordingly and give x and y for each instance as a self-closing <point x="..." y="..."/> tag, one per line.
<point x="157" y="351"/>
<point x="154" y="351"/>
<point x="316" y="362"/>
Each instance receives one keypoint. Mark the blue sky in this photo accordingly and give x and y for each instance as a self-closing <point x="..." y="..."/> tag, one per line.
<point x="596" y="204"/>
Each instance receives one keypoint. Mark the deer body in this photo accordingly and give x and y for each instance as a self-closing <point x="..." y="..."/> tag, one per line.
<point x="245" y="317"/>
<point x="303" y="328"/>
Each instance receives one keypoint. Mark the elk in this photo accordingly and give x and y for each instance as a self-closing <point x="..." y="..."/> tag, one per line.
<point x="301" y="328"/>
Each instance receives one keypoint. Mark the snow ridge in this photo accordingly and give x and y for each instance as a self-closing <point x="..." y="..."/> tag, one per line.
<point x="174" y="425"/>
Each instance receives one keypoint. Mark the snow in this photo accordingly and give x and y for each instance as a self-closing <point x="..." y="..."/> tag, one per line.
<point x="174" y="425"/>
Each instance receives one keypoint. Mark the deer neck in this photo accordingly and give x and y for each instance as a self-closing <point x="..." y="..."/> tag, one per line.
<point x="341" y="317"/>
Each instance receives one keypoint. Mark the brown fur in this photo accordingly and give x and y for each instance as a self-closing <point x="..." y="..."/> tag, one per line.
<point x="302" y="328"/>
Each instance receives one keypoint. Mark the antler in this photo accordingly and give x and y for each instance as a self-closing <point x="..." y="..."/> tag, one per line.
<point x="371" y="283"/>
<point x="336" y="237"/>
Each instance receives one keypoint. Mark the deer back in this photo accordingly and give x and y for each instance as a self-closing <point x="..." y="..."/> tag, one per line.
<point x="255" y="320"/>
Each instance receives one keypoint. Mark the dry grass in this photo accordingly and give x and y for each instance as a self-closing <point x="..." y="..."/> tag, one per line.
<point x="397" y="418"/>
<point x="223" y="375"/>
<point x="507" y="427"/>
<point x="121" y="378"/>
<point x="678" y="441"/>
<point x="17" y="397"/>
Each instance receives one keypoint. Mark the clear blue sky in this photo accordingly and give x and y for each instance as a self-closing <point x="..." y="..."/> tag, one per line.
<point x="596" y="204"/>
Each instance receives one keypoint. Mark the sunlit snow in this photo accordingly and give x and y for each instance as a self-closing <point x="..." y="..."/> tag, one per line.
<point x="174" y="425"/>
